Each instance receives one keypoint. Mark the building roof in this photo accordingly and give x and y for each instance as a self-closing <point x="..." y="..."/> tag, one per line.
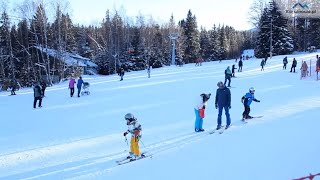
<point x="71" y="59"/>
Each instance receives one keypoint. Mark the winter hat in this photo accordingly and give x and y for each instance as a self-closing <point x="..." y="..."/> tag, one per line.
<point x="205" y="96"/>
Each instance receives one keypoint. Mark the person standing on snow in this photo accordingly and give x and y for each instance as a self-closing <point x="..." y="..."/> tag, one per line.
<point x="71" y="86"/>
<point x="121" y="73"/>
<point x="294" y="65"/>
<point x="37" y="94"/>
<point x="199" y="111"/>
<point x="232" y="69"/>
<point x="262" y="64"/>
<point x="247" y="100"/>
<point x="304" y="69"/>
<point x="43" y="87"/>
<point x="285" y="62"/>
<point x="223" y="101"/>
<point x="240" y="64"/>
<point x="228" y="75"/>
<point x="134" y="128"/>
<point x="79" y="85"/>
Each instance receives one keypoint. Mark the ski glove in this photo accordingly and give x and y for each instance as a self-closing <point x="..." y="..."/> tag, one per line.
<point x="258" y="101"/>
<point x="216" y="106"/>
<point x="229" y="107"/>
<point x="125" y="133"/>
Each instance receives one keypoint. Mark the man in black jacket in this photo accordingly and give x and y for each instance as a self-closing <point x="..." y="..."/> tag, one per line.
<point x="223" y="100"/>
<point x="37" y="95"/>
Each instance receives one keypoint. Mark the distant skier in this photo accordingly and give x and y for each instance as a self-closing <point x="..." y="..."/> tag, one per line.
<point x="233" y="70"/>
<point x="285" y="62"/>
<point x="318" y="65"/>
<point x="79" y="85"/>
<point x="13" y="87"/>
<point x="294" y="65"/>
<point x="262" y="64"/>
<point x="199" y="111"/>
<point x="228" y="75"/>
<point x="71" y="86"/>
<point x="37" y="93"/>
<point x="121" y="73"/>
<point x="240" y="64"/>
<point x="223" y="101"/>
<point x="134" y="128"/>
<point x="149" y="71"/>
<point x="265" y="60"/>
<point x="247" y="100"/>
<point x="304" y="69"/>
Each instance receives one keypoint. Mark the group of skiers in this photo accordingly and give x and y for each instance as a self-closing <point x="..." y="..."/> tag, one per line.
<point x="222" y="102"/>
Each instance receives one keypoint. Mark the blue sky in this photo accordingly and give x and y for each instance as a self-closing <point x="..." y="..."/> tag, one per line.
<point x="208" y="12"/>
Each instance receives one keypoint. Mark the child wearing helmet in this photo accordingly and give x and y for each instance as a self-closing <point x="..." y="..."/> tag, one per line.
<point x="134" y="128"/>
<point x="247" y="100"/>
<point x="199" y="111"/>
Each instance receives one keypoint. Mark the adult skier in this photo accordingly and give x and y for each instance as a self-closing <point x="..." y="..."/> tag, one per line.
<point x="71" y="86"/>
<point x="262" y="64"/>
<point x="134" y="128"/>
<point x="294" y="65"/>
<point x="223" y="101"/>
<point x="228" y="75"/>
<point x="247" y="100"/>
<point x="37" y="94"/>
<point x="199" y="111"/>
<point x="285" y="62"/>
<point x="240" y="64"/>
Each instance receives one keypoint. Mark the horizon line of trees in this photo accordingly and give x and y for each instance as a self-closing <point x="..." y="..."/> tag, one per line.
<point x="115" y="43"/>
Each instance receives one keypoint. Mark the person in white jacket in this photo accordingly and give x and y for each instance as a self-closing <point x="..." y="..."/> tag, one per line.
<point x="134" y="128"/>
<point x="199" y="111"/>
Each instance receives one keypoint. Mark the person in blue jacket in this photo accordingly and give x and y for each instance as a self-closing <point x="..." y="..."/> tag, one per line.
<point x="223" y="101"/>
<point x="247" y="100"/>
<point x="79" y="85"/>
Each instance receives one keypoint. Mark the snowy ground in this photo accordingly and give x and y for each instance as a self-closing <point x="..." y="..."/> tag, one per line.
<point x="81" y="138"/>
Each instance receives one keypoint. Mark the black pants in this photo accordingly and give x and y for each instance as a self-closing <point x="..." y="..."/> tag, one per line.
<point x="35" y="101"/>
<point x="71" y="92"/>
<point x="240" y="69"/>
<point x="13" y="91"/>
<point x="43" y="90"/>
<point x="294" y="69"/>
<point x="284" y="66"/>
<point x="225" y="81"/>
<point x="246" y="112"/>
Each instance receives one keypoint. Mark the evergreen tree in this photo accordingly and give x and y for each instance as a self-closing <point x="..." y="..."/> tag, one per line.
<point x="263" y="38"/>
<point x="205" y="50"/>
<point x="214" y="44"/>
<point x="191" y="38"/>
<point x="282" y="41"/>
<point x="314" y="32"/>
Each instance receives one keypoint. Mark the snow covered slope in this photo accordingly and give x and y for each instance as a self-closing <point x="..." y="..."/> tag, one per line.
<point x="81" y="138"/>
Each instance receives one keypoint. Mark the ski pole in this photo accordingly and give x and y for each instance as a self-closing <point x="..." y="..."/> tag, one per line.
<point x="142" y="144"/>
<point x="126" y="140"/>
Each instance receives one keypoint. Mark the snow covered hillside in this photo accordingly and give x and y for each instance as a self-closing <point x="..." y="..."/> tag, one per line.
<point x="81" y="138"/>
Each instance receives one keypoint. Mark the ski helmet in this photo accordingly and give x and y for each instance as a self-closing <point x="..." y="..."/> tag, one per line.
<point x="252" y="90"/>
<point x="129" y="117"/>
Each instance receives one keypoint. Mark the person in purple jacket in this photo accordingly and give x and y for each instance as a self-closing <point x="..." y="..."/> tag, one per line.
<point x="71" y="86"/>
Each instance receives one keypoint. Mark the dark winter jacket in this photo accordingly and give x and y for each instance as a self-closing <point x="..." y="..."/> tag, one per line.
<point x="262" y="63"/>
<point x="294" y="63"/>
<point x="79" y="83"/>
<point x="233" y="68"/>
<point x="37" y="91"/>
<point x="228" y="73"/>
<point x="223" y="97"/>
<point x="285" y="60"/>
<point x="240" y="63"/>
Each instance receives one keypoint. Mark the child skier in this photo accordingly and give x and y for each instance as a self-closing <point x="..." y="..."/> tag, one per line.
<point x="134" y="128"/>
<point x="247" y="100"/>
<point x="199" y="111"/>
